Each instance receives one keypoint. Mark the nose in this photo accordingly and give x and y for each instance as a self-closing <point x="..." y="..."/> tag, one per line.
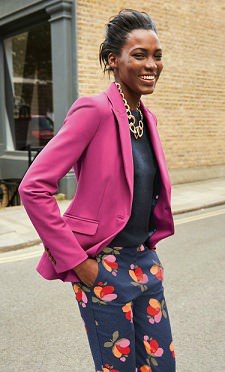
<point x="151" y="63"/>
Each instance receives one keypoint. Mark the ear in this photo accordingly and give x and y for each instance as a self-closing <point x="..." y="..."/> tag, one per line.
<point x="112" y="61"/>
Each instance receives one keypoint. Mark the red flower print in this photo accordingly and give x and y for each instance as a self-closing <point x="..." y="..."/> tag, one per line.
<point x="127" y="309"/>
<point x="80" y="295"/>
<point x="121" y="349"/>
<point x="110" y="264"/>
<point x="105" y="292"/>
<point x="158" y="271"/>
<point x="152" y="347"/>
<point x="120" y="346"/>
<point x="154" y="311"/>
<point x="137" y="274"/>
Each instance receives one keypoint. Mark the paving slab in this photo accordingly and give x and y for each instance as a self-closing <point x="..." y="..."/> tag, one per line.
<point x="17" y="231"/>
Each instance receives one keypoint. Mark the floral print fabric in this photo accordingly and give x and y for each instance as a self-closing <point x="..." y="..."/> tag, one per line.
<point x="125" y="313"/>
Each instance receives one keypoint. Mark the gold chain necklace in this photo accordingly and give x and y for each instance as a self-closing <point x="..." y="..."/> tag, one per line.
<point x="136" y="130"/>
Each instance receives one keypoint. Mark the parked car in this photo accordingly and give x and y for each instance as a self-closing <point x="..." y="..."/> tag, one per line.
<point x="36" y="131"/>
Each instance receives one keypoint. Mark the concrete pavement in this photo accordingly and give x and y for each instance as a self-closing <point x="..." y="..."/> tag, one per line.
<point x="42" y="330"/>
<point x="16" y="230"/>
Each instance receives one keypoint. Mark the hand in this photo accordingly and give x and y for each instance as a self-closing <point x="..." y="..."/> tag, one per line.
<point x="87" y="271"/>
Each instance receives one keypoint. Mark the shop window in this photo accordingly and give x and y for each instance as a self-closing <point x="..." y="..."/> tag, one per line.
<point x="28" y="87"/>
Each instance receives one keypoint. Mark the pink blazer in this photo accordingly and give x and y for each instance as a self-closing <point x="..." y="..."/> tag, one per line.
<point x="95" y="141"/>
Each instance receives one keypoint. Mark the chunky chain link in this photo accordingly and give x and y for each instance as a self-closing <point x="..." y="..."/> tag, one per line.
<point x="136" y="130"/>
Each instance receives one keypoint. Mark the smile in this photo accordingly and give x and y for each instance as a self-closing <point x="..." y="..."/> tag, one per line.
<point x="147" y="77"/>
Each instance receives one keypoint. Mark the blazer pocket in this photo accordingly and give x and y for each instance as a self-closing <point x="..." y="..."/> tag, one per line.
<point x="81" y="225"/>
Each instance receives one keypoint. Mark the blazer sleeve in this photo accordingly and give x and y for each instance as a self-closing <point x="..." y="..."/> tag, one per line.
<point x="41" y="181"/>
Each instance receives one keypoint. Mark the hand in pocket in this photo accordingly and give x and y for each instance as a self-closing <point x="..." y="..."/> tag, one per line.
<point x="88" y="271"/>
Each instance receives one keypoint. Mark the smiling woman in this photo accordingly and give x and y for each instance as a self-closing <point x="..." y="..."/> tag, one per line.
<point x="142" y="70"/>
<point x="105" y="243"/>
<point x="136" y="66"/>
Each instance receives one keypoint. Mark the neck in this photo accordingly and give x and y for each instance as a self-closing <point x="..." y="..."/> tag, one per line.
<point x="133" y="99"/>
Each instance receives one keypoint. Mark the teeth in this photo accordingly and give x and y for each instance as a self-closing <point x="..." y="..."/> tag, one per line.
<point x="148" y="77"/>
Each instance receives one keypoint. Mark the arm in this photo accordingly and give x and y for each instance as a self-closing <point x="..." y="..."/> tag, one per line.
<point x="41" y="182"/>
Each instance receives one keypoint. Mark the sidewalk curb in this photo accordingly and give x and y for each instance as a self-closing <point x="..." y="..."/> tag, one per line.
<point x="31" y="243"/>
<point x="19" y="246"/>
<point x="205" y="206"/>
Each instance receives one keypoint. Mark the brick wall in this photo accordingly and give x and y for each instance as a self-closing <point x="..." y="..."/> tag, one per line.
<point x="190" y="94"/>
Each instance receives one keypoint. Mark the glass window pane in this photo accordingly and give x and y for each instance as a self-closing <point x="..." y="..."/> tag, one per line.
<point x="30" y="73"/>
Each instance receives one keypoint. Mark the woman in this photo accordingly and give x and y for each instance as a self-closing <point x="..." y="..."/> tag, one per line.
<point x="105" y="243"/>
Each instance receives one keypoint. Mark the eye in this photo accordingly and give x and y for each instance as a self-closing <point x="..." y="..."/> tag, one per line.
<point x="158" y="57"/>
<point x="139" y="56"/>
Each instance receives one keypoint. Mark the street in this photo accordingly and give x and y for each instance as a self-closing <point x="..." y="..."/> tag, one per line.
<point x="42" y="329"/>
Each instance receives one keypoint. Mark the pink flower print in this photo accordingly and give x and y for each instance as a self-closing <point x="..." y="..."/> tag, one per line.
<point x="121" y="349"/>
<point x="105" y="292"/>
<point x="152" y="347"/>
<point x="154" y="311"/>
<point x="158" y="271"/>
<point x="80" y="295"/>
<point x="110" y="264"/>
<point x="120" y="346"/>
<point x="137" y="274"/>
<point x="127" y="309"/>
<point x="139" y="277"/>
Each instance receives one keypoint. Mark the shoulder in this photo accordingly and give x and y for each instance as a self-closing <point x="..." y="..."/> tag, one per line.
<point x="153" y="115"/>
<point x="96" y="103"/>
<point x="87" y="113"/>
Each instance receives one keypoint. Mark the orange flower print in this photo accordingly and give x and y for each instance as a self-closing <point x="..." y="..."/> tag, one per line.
<point x="172" y="349"/>
<point x="158" y="271"/>
<point x="108" y="368"/>
<point x="127" y="309"/>
<point x="153" y="349"/>
<point x="120" y="346"/>
<point x="80" y="295"/>
<point x="145" y="368"/>
<point x="121" y="349"/>
<point x="110" y="264"/>
<point x="138" y="276"/>
<point x="104" y="293"/>
<point x="154" y="311"/>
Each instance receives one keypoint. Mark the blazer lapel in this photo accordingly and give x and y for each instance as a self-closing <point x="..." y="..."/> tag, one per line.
<point x="126" y="146"/>
<point x="156" y="145"/>
<point x="124" y="133"/>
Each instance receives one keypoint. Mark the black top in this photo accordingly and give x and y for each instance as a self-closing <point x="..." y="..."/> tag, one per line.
<point x="137" y="229"/>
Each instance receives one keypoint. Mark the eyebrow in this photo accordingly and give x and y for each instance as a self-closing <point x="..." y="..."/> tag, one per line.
<point x="144" y="49"/>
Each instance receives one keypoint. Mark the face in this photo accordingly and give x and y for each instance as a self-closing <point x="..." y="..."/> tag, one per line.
<point x="139" y="65"/>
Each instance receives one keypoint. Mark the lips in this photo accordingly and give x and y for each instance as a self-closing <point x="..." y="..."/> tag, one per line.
<point x="149" y="77"/>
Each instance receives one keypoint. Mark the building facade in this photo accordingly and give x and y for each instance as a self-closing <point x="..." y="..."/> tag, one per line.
<point x="49" y="54"/>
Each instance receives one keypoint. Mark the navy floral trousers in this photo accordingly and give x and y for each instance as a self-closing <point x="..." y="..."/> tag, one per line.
<point x="125" y="313"/>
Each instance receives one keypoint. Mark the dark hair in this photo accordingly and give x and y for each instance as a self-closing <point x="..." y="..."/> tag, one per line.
<point x="116" y="33"/>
